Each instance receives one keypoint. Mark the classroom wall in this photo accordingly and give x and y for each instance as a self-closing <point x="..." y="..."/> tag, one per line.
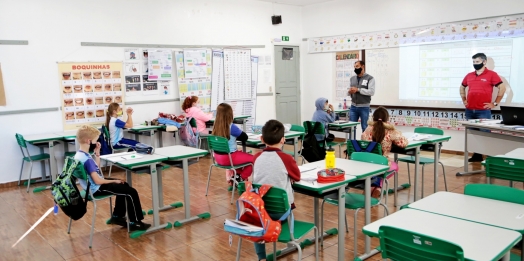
<point x="345" y="17"/>
<point x="55" y="29"/>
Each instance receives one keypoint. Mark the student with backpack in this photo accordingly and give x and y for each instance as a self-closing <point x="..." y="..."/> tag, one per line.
<point x="224" y="127"/>
<point x="190" y="107"/>
<point x="274" y="167"/>
<point x="116" y="129"/>
<point x="87" y="136"/>
<point x="380" y="131"/>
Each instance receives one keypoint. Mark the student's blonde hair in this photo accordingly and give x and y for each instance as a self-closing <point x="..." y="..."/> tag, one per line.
<point x="87" y="132"/>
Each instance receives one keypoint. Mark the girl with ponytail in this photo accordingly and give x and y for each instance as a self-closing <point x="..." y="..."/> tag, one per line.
<point x="190" y="107"/>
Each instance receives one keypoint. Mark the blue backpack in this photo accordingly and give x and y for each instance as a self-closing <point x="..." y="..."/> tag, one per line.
<point x="187" y="135"/>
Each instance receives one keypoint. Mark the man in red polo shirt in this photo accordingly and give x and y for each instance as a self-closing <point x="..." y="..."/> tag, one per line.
<point x="480" y="85"/>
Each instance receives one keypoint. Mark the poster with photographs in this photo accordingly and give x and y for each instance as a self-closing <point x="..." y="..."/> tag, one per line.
<point x="87" y="89"/>
<point x="150" y="88"/>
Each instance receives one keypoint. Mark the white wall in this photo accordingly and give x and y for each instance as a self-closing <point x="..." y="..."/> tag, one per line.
<point x="349" y="16"/>
<point x="55" y="29"/>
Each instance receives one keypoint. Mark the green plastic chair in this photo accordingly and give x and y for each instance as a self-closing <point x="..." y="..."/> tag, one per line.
<point x="292" y="142"/>
<point x="363" y="145"/>
<point x="220" y="145"/>
<point x="495" y="192"/>
<point x="398" y="244"/>
<point x="322" y="131"/>
<point x="27" y="157"/>
<point x="276" y="201"/>
<point x="357" y="201"/>
<point x="423" y="160"/>
<point x="505" y="168"/>
<point x="80" y="173"/>
<point x="113" y="150"/>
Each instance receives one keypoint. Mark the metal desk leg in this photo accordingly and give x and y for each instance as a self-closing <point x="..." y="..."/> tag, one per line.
<point x="367" y="204"/>
<point x="161" y="206"/>
<point x="395" y="187"/>
<point x="156" y="216"/>
<point x="295" y="144"/>
<point x="341" y="223"/>
<point x="153" y="140"/>
<point x="244" y="121"/>
<point x="129" y="179"/>
<point x="137" y="136"/>
<point x="160" y="141"/>
<point x="187" y="209"/>
<point x="436" y="158"/>
<point x="52" y="167"/>
<point x="466" y="172"/>
<point x="42" y="164"/>
<point x="417" y="163"/>
<point x="355" y="132"/>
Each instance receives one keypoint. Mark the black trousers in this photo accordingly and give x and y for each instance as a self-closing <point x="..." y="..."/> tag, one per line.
<point x="123" y="192"/>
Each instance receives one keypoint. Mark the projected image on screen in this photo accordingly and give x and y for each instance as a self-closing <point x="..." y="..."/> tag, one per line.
<point x="431" y="75"/>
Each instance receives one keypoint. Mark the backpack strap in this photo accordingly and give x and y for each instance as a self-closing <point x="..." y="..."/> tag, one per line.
<point x="248" y="185"/>
<point x="371" y="146"/>
<point x="263" y="190"/>
<point x="356" y="146"/>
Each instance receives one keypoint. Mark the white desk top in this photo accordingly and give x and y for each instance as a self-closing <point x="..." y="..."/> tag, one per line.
<point x="490" y="126"/>
<point x="290" y="134"/>
<point x="516" y="153"/>
<point x="479" y="242"/>
<point x="343" y="124"/>
<point x="180" y="152"/>
<point x="42" y="137"/>
<point x="431" y="139"/>
<point x="476" y="209"/>
<point x="67" y="134"/>
<point x="144" y="159"/>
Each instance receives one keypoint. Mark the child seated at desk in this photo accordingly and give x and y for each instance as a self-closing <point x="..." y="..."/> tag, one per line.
<point x="87" y="136"/>
<point x="379" y="130"/>
<point x="274" y="167"/>
<point x="224" y="127"/>
<point x="116" y="129"/>
<point x="192" y="110"/>
<point x="324" y="114"/>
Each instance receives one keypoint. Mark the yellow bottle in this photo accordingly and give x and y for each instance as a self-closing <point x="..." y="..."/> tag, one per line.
<point x="330" y="158"/>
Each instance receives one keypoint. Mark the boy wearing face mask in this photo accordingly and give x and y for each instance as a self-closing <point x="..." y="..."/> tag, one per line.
<point x="478" y="101"/>
<point x="324" y="114"/>
<point x="362" y="88"/>
<point x="87" y="136"/>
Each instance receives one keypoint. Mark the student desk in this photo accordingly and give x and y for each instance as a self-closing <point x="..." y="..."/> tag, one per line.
<point x="478" y="241"/>
<point x="254" y="140"/>
<point x="152" y="163"/>
<point x="344" y="127"/>
<point x="355" y="170"/>
<point x="498" y="141"/>
<point x="50" y="139"/>
<point x="240" y="119"/>
<point x="181" y="153"/>
<point x="412" y="149"/>
<point x="476" y="209"/>
<point x="67" y="137"/>
<point x="516" y="153"/>
<point x="151" y="129"/>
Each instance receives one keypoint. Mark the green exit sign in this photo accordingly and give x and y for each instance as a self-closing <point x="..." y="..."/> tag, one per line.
<point x="285" y="38"/>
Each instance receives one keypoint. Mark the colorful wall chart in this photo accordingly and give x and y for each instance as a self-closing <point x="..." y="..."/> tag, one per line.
<point x="87" y="89"/>
<point x="237" y="73"/>
<point x="200" y="87"/>
<point x="344" y="64"/>
<point x="160" y="65"/>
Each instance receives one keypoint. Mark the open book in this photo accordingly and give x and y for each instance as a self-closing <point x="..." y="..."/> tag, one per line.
<point x="117" y="157"/>
<point x="242" y="225"/>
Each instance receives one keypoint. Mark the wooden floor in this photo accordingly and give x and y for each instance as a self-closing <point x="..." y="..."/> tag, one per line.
<point x="200" y="240"/>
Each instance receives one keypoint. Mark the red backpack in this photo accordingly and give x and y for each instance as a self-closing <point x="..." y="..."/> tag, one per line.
<point x="251" y="210"/>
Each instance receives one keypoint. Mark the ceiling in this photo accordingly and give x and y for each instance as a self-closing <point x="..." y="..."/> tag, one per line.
<point x="296" y="2"/>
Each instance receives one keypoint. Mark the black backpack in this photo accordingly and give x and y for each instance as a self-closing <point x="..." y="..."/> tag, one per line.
<point x="311" y="150"/>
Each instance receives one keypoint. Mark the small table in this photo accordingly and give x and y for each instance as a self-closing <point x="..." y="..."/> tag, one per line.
<point x="151" y="129"/>
<point x="355" y="170"/>
<point x="516" y="153"/>
<point x="240" y="119"/>
<point x="476" y="209"/>
<point x="478" y="241"/>
<point x="343" y="126"/>
<point x="413" y="147"/>
<point x="183" y="153"/>
<point x="67" y="137"/>
<point x="50" y="138"/>
<point x="155" y="169"/>
<point x="254" y="140"/>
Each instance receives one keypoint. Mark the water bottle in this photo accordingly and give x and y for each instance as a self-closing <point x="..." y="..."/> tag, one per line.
<point x="345" y="105"/>
<point x="55" y="210"/>
<point x="330" y="158"/>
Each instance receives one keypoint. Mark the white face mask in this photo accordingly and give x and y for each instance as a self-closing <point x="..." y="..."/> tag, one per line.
<point x="326" y="107"/>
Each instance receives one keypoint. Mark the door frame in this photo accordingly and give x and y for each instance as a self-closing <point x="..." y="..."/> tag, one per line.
<point x="299" y="100"/>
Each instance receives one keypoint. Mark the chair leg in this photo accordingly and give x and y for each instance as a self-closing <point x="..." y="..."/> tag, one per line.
<point x="21" y="171"/>
<point x="422" y="194"/>
<point x="316" y="242"/>
<point x="275" y="250"/>
<point x="444" y="175"/>
<point x="299" y="249"/>
<point x="127" y="215"/>
<point x="69" y="226"/>
<point x="409" y="175"/>
<point x="346" y="219"/>
<point x="110" y="168"/>
<point x="29" y="179"/>
<point x="238" y="248"/>
<point x="235" y="183"/>
<point x="208" y="178"/>
<point x="92" y="225"/>
<point x="355" y="234"/>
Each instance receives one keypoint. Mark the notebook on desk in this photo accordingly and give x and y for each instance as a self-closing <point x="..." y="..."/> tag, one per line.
<point x="512" y="115"/>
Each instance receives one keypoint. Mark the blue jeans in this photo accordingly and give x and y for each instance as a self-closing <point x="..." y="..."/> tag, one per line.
<point x="260" y="249"/>
<point x="478" y="114"/>
<point x="359" y="112"/>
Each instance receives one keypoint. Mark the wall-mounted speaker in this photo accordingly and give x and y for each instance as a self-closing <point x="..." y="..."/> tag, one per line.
<point x="276" y="19"/>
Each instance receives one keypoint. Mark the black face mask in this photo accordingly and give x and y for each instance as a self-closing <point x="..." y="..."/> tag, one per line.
<point x="478" y="66"/>
<point x="92" y="147"/>
<point x="358" y="71"/>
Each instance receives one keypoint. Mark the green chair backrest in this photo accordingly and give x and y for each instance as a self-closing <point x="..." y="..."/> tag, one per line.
<point x="218" y="144"/>
<point x="193" y="123"/>
<point x="399" y="244"/>
<point x="429" y="130"/>
<point x="496" y="192"/>
<point x="20" y="140"/>
<point x="505" y="168"/>
<point x="370" y="158"/>
<point x="275" y="200"/>
<point x="363" y="145"/>
<point x="79" y="172"/>
<point x="320" y="130"/>
<point x="298" y="128"/>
